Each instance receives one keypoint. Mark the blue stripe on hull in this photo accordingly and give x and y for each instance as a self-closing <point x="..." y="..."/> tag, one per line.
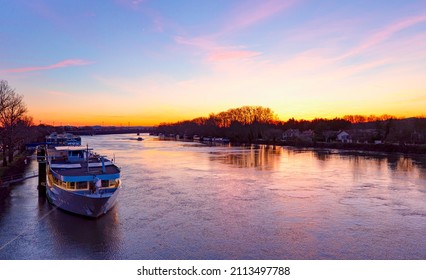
<point x="86" y="205"/>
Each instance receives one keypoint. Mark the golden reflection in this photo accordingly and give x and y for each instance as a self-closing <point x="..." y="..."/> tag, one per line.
<point x="394" y="162"/>
<point x="256" y="156"/>
<point x="362" y="162"/>
<point x="405" y="165"/>
<point x="322" y="155"/>
<point x="265" y="157"/>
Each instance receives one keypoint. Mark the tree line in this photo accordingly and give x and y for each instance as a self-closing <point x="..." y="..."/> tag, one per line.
<point x="249" y="124"/>
<point x="244" y="124"/>
<point x="14" y="122"/>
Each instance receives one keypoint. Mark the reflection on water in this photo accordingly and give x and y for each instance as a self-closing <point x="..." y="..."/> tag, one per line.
<point x="268" y="158"/>
<point x="191" y="201"/>
<point x="260" y="157"/>
<point x="76" y="237"/>
<point x="41" y="231"/>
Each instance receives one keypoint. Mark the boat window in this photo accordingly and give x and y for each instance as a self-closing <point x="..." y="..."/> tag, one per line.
<point x="72" y="185"/>
<point x="81" y="185"/>
<point x="92" y="185"/>
<point x="51" y="180"/>
<point x="113" y="183"/>
<point x="75" y="153"/>
<point x="105" y="183"/>
<point x="56" y="181"/>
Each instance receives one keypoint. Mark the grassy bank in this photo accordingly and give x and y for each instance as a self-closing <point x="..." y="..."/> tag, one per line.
<point x="16" y="167"/>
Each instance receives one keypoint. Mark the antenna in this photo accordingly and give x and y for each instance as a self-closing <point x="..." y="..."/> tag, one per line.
<point x="87" y="157"/>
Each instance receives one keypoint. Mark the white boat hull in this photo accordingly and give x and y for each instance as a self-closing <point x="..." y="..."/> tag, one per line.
<point x="90" y="205"/>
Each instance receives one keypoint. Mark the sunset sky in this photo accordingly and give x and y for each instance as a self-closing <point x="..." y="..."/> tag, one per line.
<point x="144" y="62"/>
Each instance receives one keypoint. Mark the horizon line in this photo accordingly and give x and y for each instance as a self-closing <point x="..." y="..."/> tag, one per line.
<point x="386" y="117"/>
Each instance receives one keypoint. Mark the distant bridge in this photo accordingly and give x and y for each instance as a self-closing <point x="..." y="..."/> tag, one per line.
<point x="7" y="180"/>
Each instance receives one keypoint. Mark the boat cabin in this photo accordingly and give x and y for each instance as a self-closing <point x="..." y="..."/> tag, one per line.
<point x="78" y="168"/>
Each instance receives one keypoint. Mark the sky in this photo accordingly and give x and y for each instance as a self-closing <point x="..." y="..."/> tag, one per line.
<point x="143" y="62"/>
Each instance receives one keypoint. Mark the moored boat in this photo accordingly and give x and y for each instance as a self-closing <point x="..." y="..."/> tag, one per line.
<point x="63" y="139"/>
<point x="81" y="181"/>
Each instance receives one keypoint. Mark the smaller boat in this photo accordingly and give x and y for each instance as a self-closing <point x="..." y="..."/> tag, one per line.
<point x="221" y="140"/>
<point x="65" y="139"/>
<point x="139" y="139"/>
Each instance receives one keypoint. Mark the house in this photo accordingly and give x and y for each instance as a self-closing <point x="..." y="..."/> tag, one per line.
<point x="330" y="135"/>
<point x="344" y="137"/>
<point x="308" y="134"/>
<point x="291" y="134"/>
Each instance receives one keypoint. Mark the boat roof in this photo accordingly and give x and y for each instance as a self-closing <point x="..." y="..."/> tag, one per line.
<point x="71" y="148"/>
<point x="83" y="168"/>
<point x="74" y="171"/>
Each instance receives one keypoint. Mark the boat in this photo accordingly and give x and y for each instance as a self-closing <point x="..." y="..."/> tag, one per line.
<point x="139" y="139"/>
<point x="221" y="140"/>
<point x="80" y="181"/>
<point x="63" y="139"/>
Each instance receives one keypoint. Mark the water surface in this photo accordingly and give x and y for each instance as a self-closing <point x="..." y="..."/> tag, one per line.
<point x="183" y="200"/>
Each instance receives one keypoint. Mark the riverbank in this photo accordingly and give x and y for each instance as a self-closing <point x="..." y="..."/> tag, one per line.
<point x="358" y="147"/>
<point x="381" y="148"/>
<point x="17" y="166"/>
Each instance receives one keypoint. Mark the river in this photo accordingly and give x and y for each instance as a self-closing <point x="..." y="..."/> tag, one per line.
<point x="185" y="200"/>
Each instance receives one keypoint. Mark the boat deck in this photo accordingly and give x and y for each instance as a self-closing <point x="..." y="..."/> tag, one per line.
<point x="79" y="166"/>
<point x="83" y="170"/>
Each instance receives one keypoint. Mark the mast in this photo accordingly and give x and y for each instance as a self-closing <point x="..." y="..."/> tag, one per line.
<point x="87" y="157"/>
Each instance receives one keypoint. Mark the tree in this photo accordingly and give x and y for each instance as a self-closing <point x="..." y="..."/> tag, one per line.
<point x="12" y="116"/>
<point x="5" y="92"/>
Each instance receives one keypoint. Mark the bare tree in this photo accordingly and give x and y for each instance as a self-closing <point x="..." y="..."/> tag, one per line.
<point x="12" y="113"/>
<point x="5" y="92"/>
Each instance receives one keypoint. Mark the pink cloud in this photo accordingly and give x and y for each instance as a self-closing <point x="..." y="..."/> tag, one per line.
<point x="61" y="64"/>
<point x="221" y="55"/>
<point x="205" y="43"/>
<point x="384" y="34"/>
<point x="311" y="64"/>
<point x="344" y="72"/>
<point x="251" y="13"/>
<point x="216" y="52"/>
<point x="241" y="17"/>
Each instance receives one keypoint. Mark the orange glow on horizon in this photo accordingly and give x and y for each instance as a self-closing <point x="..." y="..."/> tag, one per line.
<point x="57" y="119"/>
